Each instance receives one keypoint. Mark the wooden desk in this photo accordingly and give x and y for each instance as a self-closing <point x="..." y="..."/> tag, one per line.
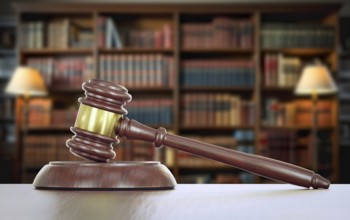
<point x="185" y="202"/>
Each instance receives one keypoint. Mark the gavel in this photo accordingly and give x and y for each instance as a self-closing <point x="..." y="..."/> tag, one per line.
<point x="101" y="121"/>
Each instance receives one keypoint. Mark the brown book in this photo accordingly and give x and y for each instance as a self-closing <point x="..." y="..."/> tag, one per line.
<point x="39" y="112"/>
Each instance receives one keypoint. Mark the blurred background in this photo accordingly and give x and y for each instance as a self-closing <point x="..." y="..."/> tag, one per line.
<point x="265" y="77"/>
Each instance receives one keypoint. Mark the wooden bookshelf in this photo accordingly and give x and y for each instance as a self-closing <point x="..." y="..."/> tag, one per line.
<point x="344" y="99"/>
<point x="157" y="34"/>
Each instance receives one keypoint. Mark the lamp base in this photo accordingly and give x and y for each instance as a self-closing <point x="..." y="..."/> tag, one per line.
<point x="114" y="176"/>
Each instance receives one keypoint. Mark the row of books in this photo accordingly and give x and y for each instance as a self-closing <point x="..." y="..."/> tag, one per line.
<point x="217" y="110"/>
<point x="218" y="73"/>
<point x="344" y="132"/>
<point x="32" y="35"/>
<point x="131" y="150"/>
<point x="64" y="117"/>
<point x="150" y="38"/>
<point x="323" y="144"/>
<point x="8" y="38"/>
<point x="64" y="72"/>
<point x="112" y="36"/>
<point x="344" y="109"/>
<point x="61" y="33"/>
<point x="298" y="112"/>
<point x="281" y="71"/>
<point x="281" y="145"/>
<point x="304" y="114"/>
<point x="245" y="140"/>
<point x="221" y="32"/>
<point x="277" y="113"/>
<point x="296" y="148"/>
<point x="7" y="66"/>
<point x="42" y="113"/>
<point x="7" y="108"/>
<point x="7" y="133"/>
<point x="244" y="136"/>
<point x="39" y="150"/>
<point x="344" y="67"/>
<point x="284" y="35"/>
<point x="152" y="111"/>
<point x="138" y="70"/>
<point x="39" y="112"/>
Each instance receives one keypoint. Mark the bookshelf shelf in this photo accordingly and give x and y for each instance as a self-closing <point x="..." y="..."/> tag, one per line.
<point x="7" y="52"/>
<point x="300" y="51"/>
<point x="297" y="127"/>
<point x="7" y="119"/>
<point x="50" y="128"/>
<point x="136" y="50"/>
<point x="218" y="50"/>
<point x="65" y="90"/>
<point x="278" y="89"/>
<point x="150" y="90"/>
<point x="215" y="89"/>
<point x="212" y="166"/>
<point x="71" y="51"/>
<point x="213" y="128"/>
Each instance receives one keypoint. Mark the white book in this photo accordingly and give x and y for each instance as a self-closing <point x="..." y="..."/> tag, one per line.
<point x="116" y="36"/>
<point x="109" y="29"/>
<point x="281" y="71"/>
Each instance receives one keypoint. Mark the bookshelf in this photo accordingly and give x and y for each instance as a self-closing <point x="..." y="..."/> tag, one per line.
<point x="344" y="98"/>
<point x="185" y="61"/>
<point x="7" y="106"/>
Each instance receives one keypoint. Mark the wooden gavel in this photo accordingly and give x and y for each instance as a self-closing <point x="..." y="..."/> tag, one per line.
<point x="101" y="117"/>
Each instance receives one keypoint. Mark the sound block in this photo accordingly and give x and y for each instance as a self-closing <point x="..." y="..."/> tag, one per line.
<point x="114" y="176"/>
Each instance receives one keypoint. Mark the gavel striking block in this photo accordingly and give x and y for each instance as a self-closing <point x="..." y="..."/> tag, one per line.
<point x="101" y="121"/>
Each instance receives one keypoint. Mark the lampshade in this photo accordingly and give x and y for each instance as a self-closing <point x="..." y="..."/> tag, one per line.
<point x="26" y="81"/>
<point x="315" y="79"/>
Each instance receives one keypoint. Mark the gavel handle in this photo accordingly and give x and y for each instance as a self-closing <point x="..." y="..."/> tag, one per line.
<point x="262" y="166"/>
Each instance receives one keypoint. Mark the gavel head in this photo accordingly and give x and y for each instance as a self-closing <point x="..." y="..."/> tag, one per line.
<point x="99" y="111"/>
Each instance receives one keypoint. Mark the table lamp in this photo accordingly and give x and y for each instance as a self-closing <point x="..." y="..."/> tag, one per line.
<point x="25" y="82"/>
<point x="315" y="80"/>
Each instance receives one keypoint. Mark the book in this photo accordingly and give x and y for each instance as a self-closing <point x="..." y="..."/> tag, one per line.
<point x="57" y="33"/>
<point x="286" y="35"/>
<point x="225" y="73"/>
<point x="39" y="112"/>
<point x="217" y="110"/>
<point x="281" y="71"/>
<point x="279" y="144"/>
<point x="64" y="72"/>
<point x="278" y="113"/>
<point x="110" y="35"/>
<point x="221" y="32"/>
<point x="138" y="70"/>
<point x="304" y="112"/>
<point x="152" y="111"/>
